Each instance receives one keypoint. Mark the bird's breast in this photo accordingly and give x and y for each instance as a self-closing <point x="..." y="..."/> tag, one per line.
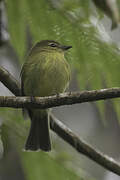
<point x="49" y="77"/>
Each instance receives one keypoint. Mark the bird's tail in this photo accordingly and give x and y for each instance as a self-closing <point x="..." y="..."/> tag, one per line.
<point x="39" y="137"/>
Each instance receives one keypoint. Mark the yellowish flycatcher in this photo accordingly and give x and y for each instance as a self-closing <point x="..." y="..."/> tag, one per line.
<point x="45" y="72"/>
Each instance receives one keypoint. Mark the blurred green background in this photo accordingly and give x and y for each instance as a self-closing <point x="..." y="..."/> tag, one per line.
<point x="95" y="64"/>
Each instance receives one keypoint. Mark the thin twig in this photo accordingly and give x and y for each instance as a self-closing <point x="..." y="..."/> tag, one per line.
<point x="59" y="128"/>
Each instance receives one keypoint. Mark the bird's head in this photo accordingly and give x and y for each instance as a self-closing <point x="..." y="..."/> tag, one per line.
<point x="50" y="45"/>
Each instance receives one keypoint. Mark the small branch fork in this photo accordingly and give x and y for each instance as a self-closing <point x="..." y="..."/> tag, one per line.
<point x="57" y="126"/>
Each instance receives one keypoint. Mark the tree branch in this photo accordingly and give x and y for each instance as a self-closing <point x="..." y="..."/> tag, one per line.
<point x="83" y="147"/>
<point x="9" y="81"/>
<point x="57" y="126"/>
<point x="57" y="100"/>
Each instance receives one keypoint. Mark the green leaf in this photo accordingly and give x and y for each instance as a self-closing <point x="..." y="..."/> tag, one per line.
<point x="45" y="167"/>
<point x="16" y="25"/>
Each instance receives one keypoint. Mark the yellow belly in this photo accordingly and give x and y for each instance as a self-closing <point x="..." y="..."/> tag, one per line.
<point x="49" y="79"/>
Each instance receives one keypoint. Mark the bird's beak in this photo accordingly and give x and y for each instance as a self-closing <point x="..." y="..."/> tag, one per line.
<point x="66" y="47"/>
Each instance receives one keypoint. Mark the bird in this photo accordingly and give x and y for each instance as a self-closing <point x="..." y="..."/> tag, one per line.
<point x="45" y="72"/>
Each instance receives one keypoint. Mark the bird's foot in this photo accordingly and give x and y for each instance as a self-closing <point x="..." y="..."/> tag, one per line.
<point x="70" y="92"/>
<point x="57" y="95"/>
<point x="32" y="98"/>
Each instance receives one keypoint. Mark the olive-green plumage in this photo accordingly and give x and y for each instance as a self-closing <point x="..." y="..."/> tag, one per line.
<point x="45" y="72"/>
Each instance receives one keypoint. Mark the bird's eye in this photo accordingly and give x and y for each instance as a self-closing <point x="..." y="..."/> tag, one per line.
<point x="52" y="45"/>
